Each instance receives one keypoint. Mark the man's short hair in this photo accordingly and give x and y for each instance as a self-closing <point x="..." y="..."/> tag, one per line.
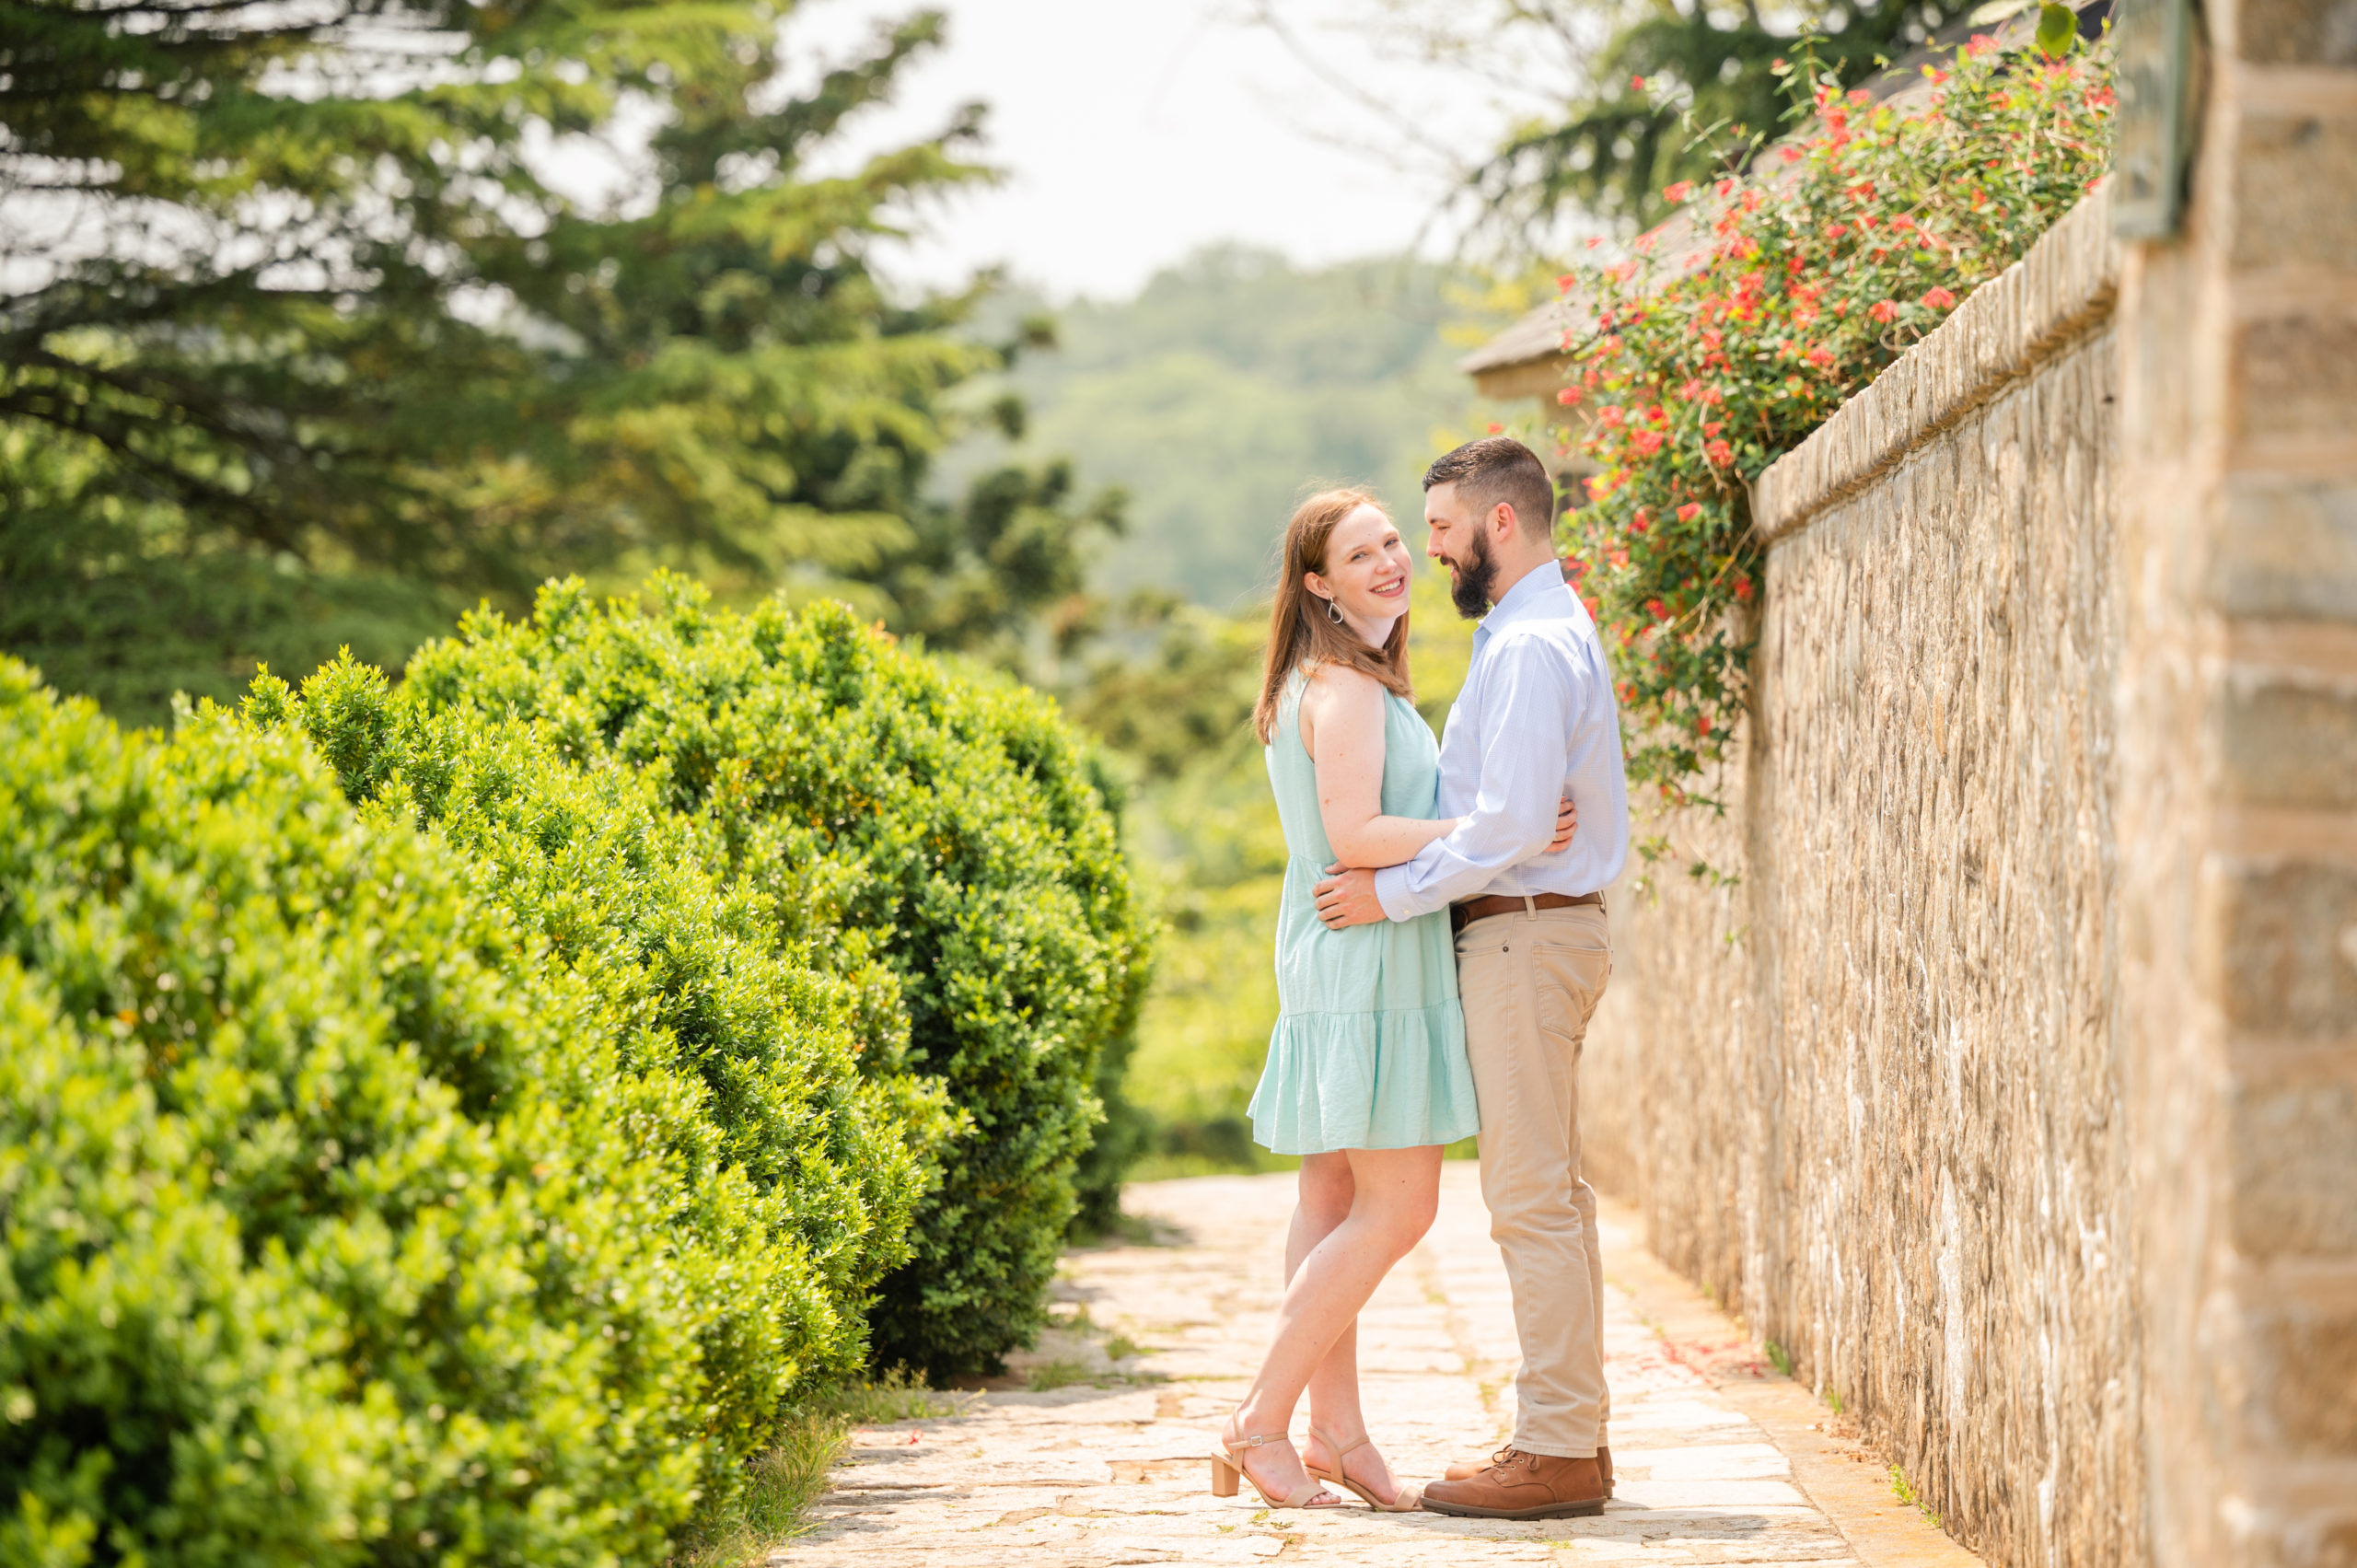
<point x="1495" y="469"/>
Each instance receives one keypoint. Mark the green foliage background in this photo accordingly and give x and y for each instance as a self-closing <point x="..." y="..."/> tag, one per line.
<point x="304" y="346"/>
<point x="1233" y="384"/>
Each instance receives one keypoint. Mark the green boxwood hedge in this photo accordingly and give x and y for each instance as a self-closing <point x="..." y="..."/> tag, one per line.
<point x="335" y="1230"/>
<point x="802" y="1087"/>
<point x="947" y="847"/>
<point x="447" y="1124"/>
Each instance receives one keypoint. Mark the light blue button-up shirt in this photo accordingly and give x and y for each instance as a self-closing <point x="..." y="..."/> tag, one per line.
<point x="1537" y="720"/>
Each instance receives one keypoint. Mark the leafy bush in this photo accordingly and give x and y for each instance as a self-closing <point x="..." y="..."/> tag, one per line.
<point x="945" y="845"/>
<point x="468" y="1164"/>
<point x="1822" y="267"/>
<point x="334" y="1232"/>
<point x="802" y="1093"/>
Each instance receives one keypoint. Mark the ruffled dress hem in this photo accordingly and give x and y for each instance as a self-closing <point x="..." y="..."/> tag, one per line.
<point x="1390" y="1079"/>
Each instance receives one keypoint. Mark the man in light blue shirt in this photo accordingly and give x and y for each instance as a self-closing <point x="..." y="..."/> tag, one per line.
<point x="1536" y="721"/>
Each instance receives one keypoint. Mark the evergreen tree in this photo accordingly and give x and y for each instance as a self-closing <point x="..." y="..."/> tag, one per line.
<point x="1626" y="119"/>
<point x="1611" y="100"/>
<point x="303" y="339"/>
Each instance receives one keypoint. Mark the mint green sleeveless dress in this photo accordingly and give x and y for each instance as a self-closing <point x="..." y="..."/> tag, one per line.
<point x="1369" y="1048"/>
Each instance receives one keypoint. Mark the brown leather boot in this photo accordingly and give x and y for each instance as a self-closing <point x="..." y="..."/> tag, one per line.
<point x="1523" y="1486"/>
<point x="1466" y="1470"/>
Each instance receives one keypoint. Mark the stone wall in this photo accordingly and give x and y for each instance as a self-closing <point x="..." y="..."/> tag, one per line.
<point x="1916" y="1181"/>
<point x="2236" y="807"/>
<point x="2010" y="1086"/>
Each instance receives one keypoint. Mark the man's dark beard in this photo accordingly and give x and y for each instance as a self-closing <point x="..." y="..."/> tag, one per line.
<point x="1469" y="582"/>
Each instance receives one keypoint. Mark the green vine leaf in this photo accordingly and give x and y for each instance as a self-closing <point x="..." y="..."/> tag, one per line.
<point x="2057" y="26"/>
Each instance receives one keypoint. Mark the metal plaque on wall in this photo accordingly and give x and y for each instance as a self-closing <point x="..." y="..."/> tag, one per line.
<point x="2152" y="70"/>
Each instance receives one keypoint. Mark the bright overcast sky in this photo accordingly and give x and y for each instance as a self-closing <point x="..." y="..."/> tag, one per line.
<point x="1136" y="132"/>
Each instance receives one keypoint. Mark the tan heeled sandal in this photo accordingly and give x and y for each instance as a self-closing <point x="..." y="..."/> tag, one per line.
<point x="1227" y="1466"/>
<point x="1407" y="1501"/>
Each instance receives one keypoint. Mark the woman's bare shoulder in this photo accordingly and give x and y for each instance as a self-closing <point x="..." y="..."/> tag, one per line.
<point x="1342" y="681"/>
<point x="1341" y="701"/>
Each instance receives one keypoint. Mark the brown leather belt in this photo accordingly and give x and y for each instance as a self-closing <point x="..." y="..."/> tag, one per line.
<point x="1464" y="914"/>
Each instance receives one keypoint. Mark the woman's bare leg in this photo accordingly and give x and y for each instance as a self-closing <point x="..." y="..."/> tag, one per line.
<point x="1326" y="1193"/>
<point x="1394" y="1194"/>
<point x="1327" y="1190"/>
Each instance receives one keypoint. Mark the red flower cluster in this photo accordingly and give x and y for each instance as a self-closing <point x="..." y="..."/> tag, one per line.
<point x="1702" y="375"/>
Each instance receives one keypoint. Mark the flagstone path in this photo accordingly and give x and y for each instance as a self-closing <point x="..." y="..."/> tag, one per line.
<point x="1091" y="1455"/>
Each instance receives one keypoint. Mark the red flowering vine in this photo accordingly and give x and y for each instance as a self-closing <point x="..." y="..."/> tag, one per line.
<point x="1810" y="272"/>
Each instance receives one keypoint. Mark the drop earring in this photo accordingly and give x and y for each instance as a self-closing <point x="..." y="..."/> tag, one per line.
<point x="1333" y="612"/>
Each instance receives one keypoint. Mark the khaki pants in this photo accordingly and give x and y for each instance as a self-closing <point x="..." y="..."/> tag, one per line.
<point x="1529" y="983"/>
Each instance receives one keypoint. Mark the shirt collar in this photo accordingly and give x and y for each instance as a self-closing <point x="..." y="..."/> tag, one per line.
<point x="1525" y="596"/>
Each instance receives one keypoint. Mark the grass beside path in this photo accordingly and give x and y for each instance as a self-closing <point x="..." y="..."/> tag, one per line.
<point x="790" y="1476"/>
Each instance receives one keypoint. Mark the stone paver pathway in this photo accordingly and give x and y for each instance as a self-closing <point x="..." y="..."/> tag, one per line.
<point x="1719" y="1460"/>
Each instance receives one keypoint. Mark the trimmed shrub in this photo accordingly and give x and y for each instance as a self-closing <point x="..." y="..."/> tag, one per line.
<point x="946" y="843"/>
<point x="803" y="1093"/>
<point x="329" y="1217"/>
<point x="449" y="1124"/>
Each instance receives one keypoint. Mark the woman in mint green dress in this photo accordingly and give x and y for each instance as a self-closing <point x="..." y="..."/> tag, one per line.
<point x="1366" y="1076"/>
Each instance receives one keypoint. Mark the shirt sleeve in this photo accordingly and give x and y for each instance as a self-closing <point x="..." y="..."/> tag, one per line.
<point x="1525" y="735"/>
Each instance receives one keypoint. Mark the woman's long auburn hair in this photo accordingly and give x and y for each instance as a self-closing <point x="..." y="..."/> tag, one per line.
<point x="1301" y="635"/>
